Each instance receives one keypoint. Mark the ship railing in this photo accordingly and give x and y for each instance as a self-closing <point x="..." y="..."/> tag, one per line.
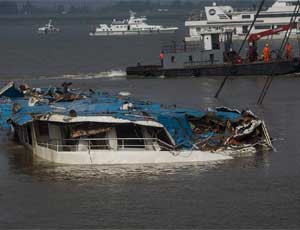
<point x="197" y="63"/>
<point x="87" y="144"/>
<point x="182" y="48"/>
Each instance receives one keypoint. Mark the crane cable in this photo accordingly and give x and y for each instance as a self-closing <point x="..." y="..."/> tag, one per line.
<point x="292" y="22"/>
<point x="240" y="49"/>
<point x="283" y="44"/>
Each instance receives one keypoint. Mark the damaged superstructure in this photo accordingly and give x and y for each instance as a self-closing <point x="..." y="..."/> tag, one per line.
<point x="92" y="127"/>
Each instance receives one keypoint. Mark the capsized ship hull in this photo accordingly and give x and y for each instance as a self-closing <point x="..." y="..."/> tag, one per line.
<point x="92" y="127"/>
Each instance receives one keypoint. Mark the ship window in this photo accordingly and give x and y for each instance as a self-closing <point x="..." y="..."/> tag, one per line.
<point x="130" y="136"/>
<point x="98" y="141"/>
<point x="291" y="3"/>
<point x="211" y="58"/>
<point x="215" y="41"/>
<point x="29" y="134"/>
<point x="262" y="27"/>
<point x="43" y="129"/>
<point x="275" y="15"/>
<point x="246" y="16"/>
<point x="222" y="16"/>
<point x="245" y="29"/>
<point x="212" y="12"/>
<point x="190" y="58"/>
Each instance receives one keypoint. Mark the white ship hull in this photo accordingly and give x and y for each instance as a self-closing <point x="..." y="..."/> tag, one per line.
<point x="225" y="18"/>
<point x="241" y="37"/>
<point x="42" y="31"/>
<point x="141" y="32"/>
<point x="109" y="157"/>
<point x="132" y="26"/>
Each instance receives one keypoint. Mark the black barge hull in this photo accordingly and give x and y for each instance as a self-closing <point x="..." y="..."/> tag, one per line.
<point x="248" y="69"/>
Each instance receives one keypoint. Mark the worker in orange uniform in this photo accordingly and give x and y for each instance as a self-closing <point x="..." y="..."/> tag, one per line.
<point x="288" y="51"/>
<point x="266" y="53"/>
<point x="161" y="57"/>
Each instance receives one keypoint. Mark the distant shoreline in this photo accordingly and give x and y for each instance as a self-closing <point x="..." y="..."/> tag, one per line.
<point x="180" y="14"/>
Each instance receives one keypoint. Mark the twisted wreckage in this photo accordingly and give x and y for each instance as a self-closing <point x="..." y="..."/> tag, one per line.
<point x="75" y="127"/>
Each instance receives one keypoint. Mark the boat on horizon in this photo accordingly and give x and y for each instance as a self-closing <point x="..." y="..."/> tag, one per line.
<point x="48" y="28"/>
<point x="132" y="26"/>
<point x="76" y="127"/>
<point x="224" y="17"/>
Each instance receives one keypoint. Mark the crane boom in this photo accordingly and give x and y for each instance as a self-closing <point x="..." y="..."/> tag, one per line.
<point x="253" y="38"/>
<point x="257" y="36"/>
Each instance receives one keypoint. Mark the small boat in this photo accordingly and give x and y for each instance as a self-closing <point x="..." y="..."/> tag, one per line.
<point x="132" y="26"/>
<point x="76" y="127"/>
<point x="48" y="28"/>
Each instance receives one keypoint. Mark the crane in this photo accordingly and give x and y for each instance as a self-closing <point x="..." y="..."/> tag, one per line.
<point x="253" y="38"/>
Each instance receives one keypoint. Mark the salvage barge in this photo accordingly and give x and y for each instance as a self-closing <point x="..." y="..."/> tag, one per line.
<point x="93" y="127"/>
<point x="281" y="67"/>
<point x="214" y="55"/>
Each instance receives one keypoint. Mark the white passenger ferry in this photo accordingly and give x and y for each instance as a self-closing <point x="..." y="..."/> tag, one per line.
<point x="132" y="26"/>
<point x="225" y="17"/>
<point x="48" y="28"/>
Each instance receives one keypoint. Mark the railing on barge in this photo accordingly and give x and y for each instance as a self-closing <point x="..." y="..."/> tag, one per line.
<point x="79" y="145"/>
<point x="183" y="47"/>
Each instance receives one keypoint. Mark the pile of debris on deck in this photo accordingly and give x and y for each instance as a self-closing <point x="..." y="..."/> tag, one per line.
<point x="216" y="133"/>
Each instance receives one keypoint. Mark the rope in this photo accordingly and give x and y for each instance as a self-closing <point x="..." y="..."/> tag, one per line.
<point x="265" y="89"/>
<point x="252" y="24"/>
<point x="292" y="22"/>
<point x="283" y="44"/>
<point x="240" y="49"/>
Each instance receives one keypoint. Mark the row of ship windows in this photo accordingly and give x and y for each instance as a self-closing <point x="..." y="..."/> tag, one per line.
<point x="245" y="28"/>
<point x="291" y="3"/>
<point x="119" y="27"/>
<point x="248" y="16"/>
<point x="244" y="16"/>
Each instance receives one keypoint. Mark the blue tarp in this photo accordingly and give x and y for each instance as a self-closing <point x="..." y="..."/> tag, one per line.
<point x="175" y="120"/>
<point x="11" y="92"/>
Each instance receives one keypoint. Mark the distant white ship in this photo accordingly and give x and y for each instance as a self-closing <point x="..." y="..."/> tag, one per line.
<point x="48" y="28"/>
<point x="225" y="18"/>
<point x="132" y="26"/>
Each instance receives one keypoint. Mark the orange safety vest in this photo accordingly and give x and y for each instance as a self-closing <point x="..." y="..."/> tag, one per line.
<point x="288" y="50"/>
<point x="266" y="53"/>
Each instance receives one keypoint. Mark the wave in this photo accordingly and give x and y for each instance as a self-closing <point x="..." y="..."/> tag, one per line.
<point x="106" y="74"/>
<point x="113" y="74"/>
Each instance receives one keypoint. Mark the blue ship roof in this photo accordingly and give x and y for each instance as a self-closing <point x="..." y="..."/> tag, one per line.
<point x="175" y="120"/>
